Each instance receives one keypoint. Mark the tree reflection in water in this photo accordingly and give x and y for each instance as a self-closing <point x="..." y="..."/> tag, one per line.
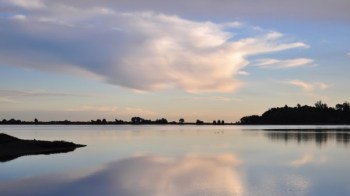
<point x="320" y="137"/>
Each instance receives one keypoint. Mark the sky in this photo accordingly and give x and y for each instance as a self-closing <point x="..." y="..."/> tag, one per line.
<point x="199" y="59"/>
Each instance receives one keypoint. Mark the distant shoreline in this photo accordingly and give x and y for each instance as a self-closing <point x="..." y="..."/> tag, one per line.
<point x="185" y="124"/>
<point x="319" y="114"/>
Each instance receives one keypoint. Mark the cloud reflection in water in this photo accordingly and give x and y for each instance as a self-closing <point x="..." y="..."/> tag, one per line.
<point x="142" y="175"/>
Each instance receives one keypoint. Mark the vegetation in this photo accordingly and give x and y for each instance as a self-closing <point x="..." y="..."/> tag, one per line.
<point x="134" y="121"/>
<point x="320" y="113"/>
<point x="12" y="147"/>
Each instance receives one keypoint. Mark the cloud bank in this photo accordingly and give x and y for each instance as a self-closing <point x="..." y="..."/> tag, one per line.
<point x="144" y="51"/>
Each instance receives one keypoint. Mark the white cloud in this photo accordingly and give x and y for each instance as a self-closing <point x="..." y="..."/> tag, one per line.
<point x="129" y="111"/>
<point x="15" y="93"/>
<point x="28" y="4"/>
<point x="289" y="63"/>
<point x="104" y="109"/>
<point x="6" y="100"/>
<point x="147" y="52"/>
<point x="243" y="73"/>
<point x="54" y="21"/>
<point x="19" y="17"/>
<point x="209" y="98"/>
<point x="138" y="111"/>
<point x="309" y="86"/>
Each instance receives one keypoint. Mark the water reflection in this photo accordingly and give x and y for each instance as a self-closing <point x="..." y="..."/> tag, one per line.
<point x="306" y="136"/>
<point x="143" y="175"/>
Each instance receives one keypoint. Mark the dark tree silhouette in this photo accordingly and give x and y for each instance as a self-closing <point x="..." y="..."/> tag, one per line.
<point x="321" y="105"/>
<point x="199" y="122"/>
<point x="136" y="120"/>
<point x="181" y="121"/>
<point x="119" y="121"/>
<point x="319" y="114"/>
<point x="161" y="121"/>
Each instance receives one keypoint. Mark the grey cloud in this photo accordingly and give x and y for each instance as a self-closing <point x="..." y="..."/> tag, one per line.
<point x="320" y="10"/>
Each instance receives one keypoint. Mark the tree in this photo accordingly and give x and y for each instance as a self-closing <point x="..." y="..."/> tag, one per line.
<point x="346" y="106"/>
<point x="161" y="121"/>
<point x="214" y="122"/>
<point x="198" y="122"/>
<point x="339" y="107"/>
<point x="181" y="121"/>
<point x="321" y="105"/>
<point x="137" y="120"/>
<point x="36" y="121"/>
<point x="253" y="119"/>
<point x="319" y="114"/>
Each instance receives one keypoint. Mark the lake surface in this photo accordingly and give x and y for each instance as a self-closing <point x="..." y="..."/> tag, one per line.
<point x="183" y="161"/>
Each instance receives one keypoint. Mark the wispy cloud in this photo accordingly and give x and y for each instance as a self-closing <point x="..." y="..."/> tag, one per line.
<point x="5" y="100"/>
<point x="32" y="4"/>
<point x="243" y="73"/>
<point x="14" y="93"/>
<point x="112" y="110"/>
<point x="280" y="64"/>
<point x="19" y="17"/>
<point x="206" y="98"/>
<point x="308" y="86"/>
<point x="138" y="111"/>
<point x="104" y="109"/>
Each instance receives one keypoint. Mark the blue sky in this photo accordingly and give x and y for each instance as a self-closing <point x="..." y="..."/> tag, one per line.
<point x="206" y="60"/>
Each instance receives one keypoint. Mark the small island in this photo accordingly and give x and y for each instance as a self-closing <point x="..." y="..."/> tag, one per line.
<point x="12" y="147"/>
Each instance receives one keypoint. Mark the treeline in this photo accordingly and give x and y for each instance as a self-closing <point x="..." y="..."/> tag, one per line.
<point x="320" y="114"/>
<point x="134" y="121"/>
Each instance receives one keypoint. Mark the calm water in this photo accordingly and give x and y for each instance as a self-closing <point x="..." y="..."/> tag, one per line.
<point x="183" y="160"/>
